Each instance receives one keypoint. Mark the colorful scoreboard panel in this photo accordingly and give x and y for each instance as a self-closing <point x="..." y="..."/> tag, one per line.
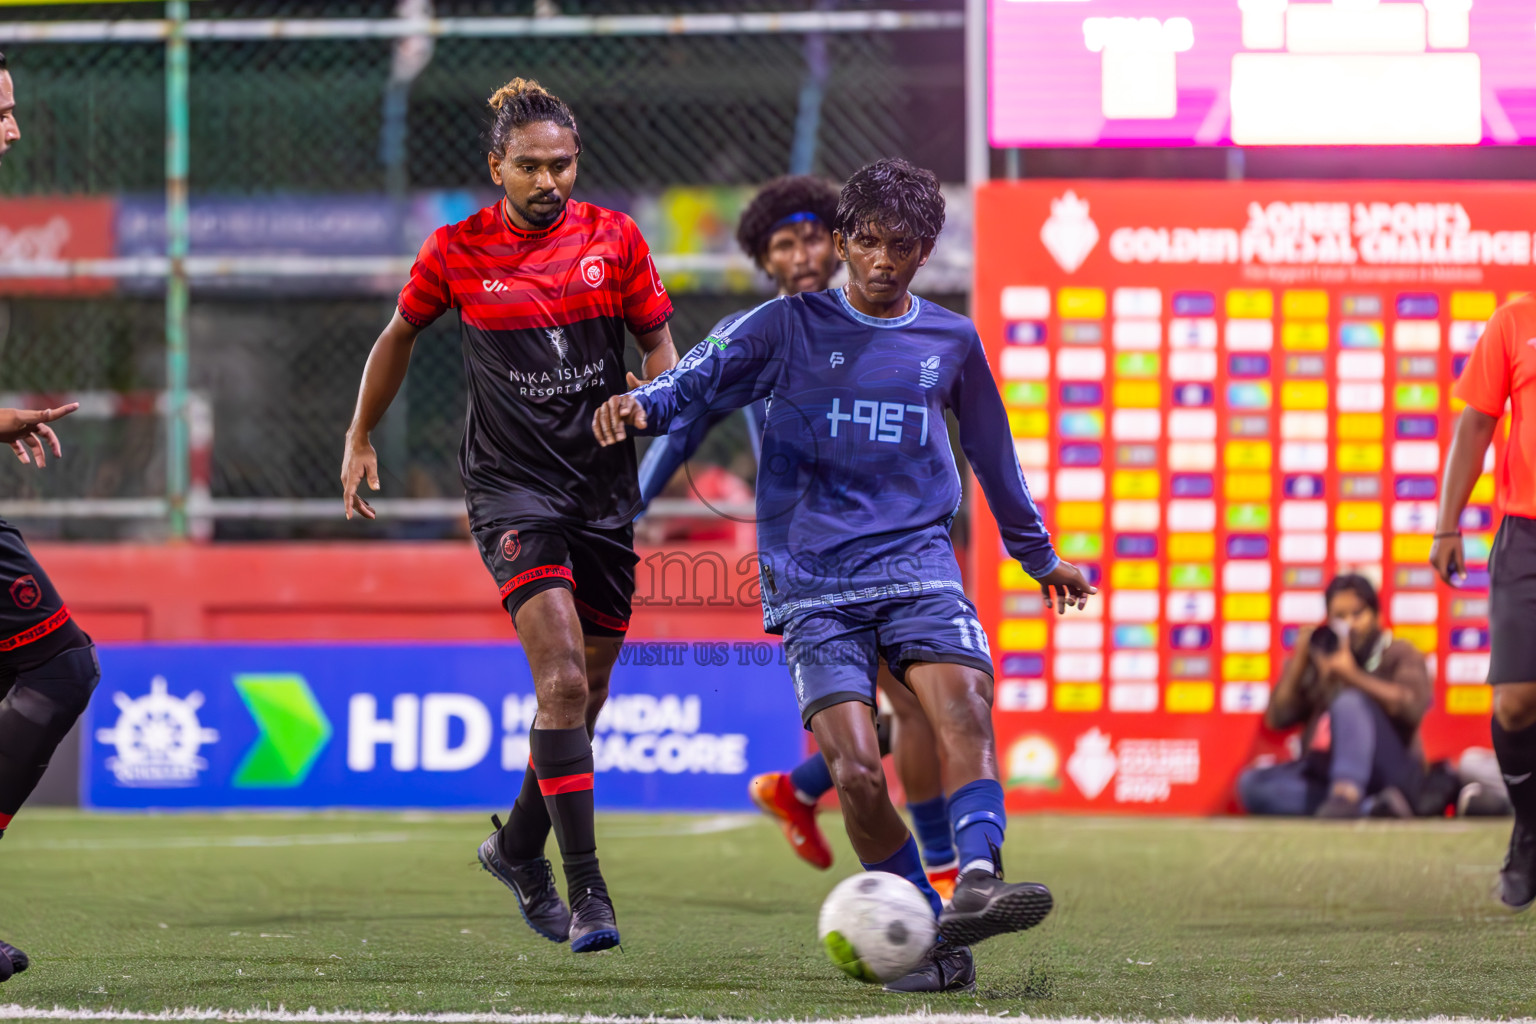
<point x="1222" y="395"/>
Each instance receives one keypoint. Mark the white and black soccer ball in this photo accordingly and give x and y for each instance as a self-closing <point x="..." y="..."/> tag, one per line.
<point x="876" y="926"/>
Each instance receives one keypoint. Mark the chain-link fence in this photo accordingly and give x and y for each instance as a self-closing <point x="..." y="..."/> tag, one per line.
<point x="345" y="148"/>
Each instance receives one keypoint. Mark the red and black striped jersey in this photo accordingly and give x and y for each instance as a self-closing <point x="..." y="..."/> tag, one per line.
<point x="542" y="317"/>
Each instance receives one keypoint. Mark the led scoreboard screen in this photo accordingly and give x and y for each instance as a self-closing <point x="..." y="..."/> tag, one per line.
<point x="1222" y="395"/>
<point x="1260" y="72"/>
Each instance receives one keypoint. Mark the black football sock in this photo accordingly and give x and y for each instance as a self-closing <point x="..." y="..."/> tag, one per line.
<point x="563" y="760"/>
<point x="1517" y="760"/>
<point x="523" y="837"/>
<point x="526" y="832"/>
<point x="35" y="716"/>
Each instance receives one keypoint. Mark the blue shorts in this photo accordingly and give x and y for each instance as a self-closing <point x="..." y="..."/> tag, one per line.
<point x="834" y="653"/>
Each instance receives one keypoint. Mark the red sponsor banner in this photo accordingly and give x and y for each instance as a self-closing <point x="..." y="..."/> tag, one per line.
<point x="49" y="229"/>
<point x="1223" y="395"/>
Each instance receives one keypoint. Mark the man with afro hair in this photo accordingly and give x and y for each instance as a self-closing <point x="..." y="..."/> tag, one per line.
<point x="787" y="231"/>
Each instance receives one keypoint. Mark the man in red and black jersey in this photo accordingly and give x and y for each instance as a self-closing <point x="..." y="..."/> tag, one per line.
<point x="48" y="666"/>
<point x="546" y="289"/>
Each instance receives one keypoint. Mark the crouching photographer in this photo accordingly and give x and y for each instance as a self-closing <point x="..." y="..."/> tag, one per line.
<point x="1361" y="695"/>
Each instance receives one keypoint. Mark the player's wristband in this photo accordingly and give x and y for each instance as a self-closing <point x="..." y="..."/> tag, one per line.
<point x="1452" y="533"/>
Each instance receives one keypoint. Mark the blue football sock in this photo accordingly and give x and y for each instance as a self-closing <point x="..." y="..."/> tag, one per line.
<point x="930" y="820"/>
<point x="906" y="863"/>
<point x="812" y="777"/>
<point x="976" y="809"/>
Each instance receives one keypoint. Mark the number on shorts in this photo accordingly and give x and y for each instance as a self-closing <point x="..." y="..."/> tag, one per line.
<point x="972" y="636"/>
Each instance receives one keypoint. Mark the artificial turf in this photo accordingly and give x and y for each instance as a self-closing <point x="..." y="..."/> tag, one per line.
<point x="390" y="912"/>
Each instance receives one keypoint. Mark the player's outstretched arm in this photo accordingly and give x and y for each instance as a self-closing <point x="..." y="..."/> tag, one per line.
<point x="725" y="372"/>
<point x="612" y="418"/>
<point x="668" y="452"/>
<point x="28" y="433"/>
<point x="382" y="376"/>
<point x="1065" y="587"/>
<point x="988" y="444"/>
<point x="1474" y="432"/>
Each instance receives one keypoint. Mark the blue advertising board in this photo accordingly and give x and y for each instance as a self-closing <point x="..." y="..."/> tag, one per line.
<point x="421" y="725"/>
<point x="313" y="226"/>
<point x="325" y="225"/>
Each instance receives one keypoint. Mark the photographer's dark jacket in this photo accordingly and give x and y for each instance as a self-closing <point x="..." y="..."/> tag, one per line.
<point x="1396" y="661"/>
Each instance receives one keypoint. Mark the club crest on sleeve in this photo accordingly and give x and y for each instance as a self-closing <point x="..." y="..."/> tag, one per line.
<point x="593" y="270"/>
<point x="26" y="593"/>
<point x="511" y="545"/>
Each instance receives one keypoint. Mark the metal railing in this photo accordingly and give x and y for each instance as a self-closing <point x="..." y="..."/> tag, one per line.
<point x="175" y="24"/>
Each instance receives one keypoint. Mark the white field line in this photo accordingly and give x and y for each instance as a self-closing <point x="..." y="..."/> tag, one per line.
<point x="13" y="1011"/>
<point x="1258" y="823"/>
<point x="208" y="842"/>
<point x="696" y="827"/>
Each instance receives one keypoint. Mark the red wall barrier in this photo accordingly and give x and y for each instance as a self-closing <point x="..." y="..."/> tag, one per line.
<point x="365" y="591"/>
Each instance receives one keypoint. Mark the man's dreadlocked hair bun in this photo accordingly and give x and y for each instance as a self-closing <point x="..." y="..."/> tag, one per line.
<point x="522" y="102"/>
<point x="780" y="198"/>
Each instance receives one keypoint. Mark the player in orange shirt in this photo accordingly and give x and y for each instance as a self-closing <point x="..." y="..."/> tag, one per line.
<point x="1502" y="372"/>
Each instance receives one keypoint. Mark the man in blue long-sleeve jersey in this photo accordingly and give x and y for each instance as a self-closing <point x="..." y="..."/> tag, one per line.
<point x="856" y="491"/>
<point x="787" y="231"/>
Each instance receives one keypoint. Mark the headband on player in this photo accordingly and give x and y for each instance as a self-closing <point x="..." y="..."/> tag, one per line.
<point x="794" y="218"/>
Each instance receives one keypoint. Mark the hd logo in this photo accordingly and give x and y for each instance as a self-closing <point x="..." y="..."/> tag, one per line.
<point x="407" y="725"/>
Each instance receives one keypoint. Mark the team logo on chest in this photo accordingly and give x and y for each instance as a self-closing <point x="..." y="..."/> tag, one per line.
<point x="928" y="372"/>
<point x="593" y="270"/>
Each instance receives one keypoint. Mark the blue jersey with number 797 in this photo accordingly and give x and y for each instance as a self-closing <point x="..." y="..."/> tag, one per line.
<point x="857" y="485"/>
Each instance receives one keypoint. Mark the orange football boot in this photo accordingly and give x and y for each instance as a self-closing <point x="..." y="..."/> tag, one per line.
<point x="775" y="794"/>
<point x="943" y="881"/>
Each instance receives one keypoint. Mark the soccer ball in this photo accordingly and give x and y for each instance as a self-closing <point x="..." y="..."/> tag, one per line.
<point x="876" y="926"/>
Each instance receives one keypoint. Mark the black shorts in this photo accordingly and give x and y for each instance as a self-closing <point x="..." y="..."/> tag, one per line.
<point x="34" y="624"/>
<point x="598" y="566"/>
<point x="1512" y="602"/>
